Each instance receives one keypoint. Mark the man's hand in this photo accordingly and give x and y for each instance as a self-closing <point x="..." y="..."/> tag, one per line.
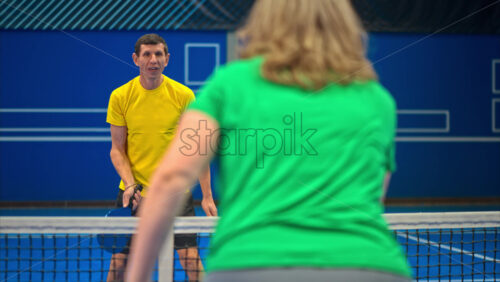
<point x="135" y="194"/>
<point x="208" y="206"/>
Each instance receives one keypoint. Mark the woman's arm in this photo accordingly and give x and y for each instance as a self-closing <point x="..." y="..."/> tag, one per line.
<point x="177" y="172"/>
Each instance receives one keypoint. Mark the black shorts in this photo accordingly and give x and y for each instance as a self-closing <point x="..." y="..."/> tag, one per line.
<point x="181" y="241"/>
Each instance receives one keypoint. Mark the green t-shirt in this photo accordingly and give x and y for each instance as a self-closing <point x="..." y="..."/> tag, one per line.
<point x="301" y="173"/>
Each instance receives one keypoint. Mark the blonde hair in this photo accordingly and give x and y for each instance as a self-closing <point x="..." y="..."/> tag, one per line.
<point x="308" y="43"/>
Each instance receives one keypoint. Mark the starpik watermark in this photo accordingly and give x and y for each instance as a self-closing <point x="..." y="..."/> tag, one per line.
<point x="289" y="138"/>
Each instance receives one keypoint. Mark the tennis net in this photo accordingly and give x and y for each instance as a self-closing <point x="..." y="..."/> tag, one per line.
<point x="459" y="246"/>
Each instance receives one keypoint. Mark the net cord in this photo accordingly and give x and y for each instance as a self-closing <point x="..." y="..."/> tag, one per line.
<point x="201" y="224"/>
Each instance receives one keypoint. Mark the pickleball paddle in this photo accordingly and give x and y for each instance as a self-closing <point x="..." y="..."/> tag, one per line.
<point x="116" y="243"/>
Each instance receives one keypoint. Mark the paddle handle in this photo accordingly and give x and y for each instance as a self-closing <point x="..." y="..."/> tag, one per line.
<point x="137" y="188"/>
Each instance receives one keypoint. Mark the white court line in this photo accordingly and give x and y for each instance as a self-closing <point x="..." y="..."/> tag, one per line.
<point x="460" y="280"/>
<point x="53" y="110"/>
<point x="494" y="115"/>
<point x="106" y="139"/>
<point x="493" y="76"/>
<point x="54" y="129"/>
<point x="460" y="139"/>
<point x="55" y="139"/>
<point x="449" y="248"/>
<point x="186" y="59"/>
<point x="446" y="114"/>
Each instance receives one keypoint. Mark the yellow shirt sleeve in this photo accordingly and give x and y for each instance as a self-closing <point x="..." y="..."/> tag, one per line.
<point x="115" y="114"/>
<point x="189" y="98"/>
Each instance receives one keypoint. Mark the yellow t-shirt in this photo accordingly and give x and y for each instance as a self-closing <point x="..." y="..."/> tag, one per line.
<point x="151" y="118"/>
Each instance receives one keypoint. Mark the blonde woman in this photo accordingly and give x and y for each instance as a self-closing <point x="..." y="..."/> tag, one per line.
<point x="306" y="143"/>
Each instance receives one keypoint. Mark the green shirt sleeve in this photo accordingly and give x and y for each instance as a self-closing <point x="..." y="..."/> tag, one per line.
<point x="391" y="150"/>
<point x="391" y="157"/>
<point x="388" y="109"/>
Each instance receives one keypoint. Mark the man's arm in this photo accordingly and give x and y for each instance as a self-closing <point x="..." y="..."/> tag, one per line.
<point x="387" y="179"/>
<point x="207" y="203"/>
<point x="121" y="162"/>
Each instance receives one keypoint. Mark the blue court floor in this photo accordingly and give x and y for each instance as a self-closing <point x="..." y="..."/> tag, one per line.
<point x="467" y="255"/>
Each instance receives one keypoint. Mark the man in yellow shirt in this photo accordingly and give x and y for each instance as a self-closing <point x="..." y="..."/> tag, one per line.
<point x="143" y="114"/>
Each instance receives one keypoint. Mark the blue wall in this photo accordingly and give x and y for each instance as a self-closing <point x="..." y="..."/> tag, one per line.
<point x="443" y="86"/>
<point x="75" y="70"/>
<point x="447" y="147"/>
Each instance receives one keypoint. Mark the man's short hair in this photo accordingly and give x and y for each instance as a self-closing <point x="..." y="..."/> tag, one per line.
<point x="149" y="39"/>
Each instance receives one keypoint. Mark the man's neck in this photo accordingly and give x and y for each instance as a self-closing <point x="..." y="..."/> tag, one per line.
<point x="150" y="83"/>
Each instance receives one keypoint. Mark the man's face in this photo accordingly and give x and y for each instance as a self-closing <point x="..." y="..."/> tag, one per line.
<point x="152" y="60"/>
